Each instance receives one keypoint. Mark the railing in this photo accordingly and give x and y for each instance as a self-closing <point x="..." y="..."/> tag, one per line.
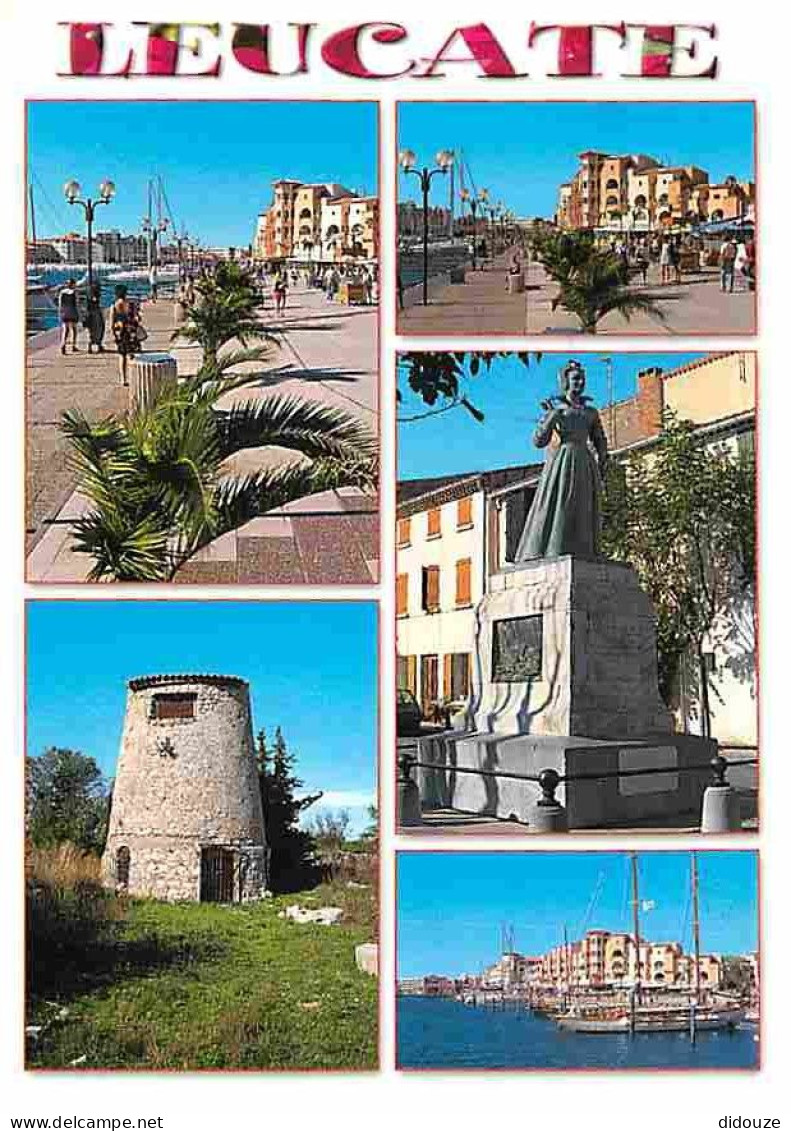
<point x="550" y="814"/>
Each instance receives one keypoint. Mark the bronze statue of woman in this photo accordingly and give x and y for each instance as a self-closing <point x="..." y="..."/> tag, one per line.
<point x="565" y="515"/>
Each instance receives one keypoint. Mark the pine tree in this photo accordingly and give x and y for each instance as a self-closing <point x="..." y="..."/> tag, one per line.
<point x="290" y="846"/>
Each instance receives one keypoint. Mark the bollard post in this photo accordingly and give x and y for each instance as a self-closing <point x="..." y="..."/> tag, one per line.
<point x="409" y="814"/>
<point x="548" y="815"/>
<point x="721" y="809"/>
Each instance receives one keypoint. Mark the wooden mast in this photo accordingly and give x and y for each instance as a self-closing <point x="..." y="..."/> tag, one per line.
<point x="32" y="222"/>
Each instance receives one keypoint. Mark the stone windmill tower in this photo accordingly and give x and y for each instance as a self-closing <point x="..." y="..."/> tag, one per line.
<point x="186" y="819"/>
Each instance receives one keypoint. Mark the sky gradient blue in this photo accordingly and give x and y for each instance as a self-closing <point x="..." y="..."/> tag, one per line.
<point x="451" y="905"/>
<point x="312" y="668"/>
<point x="523" y="152"/>
<point x="217" y="159"/>
<point x="509" y="395"/>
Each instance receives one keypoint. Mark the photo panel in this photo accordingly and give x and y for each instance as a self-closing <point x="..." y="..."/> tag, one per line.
<point x="617" y="218"/>
<point x="202" y="342"/>
<point x="576" y="592"/>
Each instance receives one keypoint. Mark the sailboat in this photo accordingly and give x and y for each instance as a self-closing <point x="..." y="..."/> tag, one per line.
<point x="672" y="1015"/>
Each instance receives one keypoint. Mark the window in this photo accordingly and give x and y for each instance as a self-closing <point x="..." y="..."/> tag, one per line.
<point x="459" y="684"/>
<point x="430" y="589"/>
<point x="174" y="706"/>
<point x="403" y="532"/>
<point x="434" y="519"/>
<point x="464" y="513"/>
<point x="123" y="861"/>
<point x="463" y="590"/>
<point x="402" y="595"/>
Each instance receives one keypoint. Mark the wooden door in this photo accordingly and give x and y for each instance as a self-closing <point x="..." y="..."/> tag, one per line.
<point x="216" y="875"/>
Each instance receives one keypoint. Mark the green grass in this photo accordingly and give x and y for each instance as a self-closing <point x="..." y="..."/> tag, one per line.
<point x="191" y="986"/>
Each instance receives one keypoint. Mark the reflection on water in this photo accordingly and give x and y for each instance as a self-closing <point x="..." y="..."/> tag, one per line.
<point x="41" y="307"/>
<point x="442" y="1033"/>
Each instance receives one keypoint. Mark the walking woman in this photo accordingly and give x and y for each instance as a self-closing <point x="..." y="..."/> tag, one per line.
<point x="69" y="315"/>
<point x="124" y="326"/>
<point x="94" y="318"/>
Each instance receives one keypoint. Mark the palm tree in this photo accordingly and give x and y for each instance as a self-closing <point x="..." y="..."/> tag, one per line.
<point x="156" y="478"/>
<point x="590" y="281"/>
<point x="226" y="310"/>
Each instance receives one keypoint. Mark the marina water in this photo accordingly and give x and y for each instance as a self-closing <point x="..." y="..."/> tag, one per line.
<point x="444" y="1033"/>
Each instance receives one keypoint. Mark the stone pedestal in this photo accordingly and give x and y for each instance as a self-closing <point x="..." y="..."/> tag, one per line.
<point x="150" y="375"/>
<point x="566" y="647"/>
<point x="565" y="679"/>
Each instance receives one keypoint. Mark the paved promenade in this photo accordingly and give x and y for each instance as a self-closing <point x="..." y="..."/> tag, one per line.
<point x="482" y="306"/>
<point x="329" y="354"/>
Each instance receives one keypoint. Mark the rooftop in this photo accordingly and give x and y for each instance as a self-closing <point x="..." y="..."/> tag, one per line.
<point x="140" y="683"/>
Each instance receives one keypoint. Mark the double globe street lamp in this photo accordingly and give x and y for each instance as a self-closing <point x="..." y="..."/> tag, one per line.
<point x="407" y="160"/>
<point x="72" y="190"/>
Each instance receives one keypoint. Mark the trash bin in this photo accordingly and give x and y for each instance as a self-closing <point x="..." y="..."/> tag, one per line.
<point x="150" y="375"/>
<point x="516" y="283"/>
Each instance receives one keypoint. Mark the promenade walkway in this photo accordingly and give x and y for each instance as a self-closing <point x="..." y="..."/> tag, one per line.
<point x="329" y="354"/>
<point x="481" y="306"/>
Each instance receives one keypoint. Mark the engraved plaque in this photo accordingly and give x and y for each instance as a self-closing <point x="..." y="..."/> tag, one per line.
<point x="516" y="649"/>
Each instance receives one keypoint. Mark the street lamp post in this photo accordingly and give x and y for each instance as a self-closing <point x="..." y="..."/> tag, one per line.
<point x="72" y="190"/>
<point x="406" y="160"/>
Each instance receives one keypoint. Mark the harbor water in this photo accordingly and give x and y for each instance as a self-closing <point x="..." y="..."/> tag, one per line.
<point x="43" y="315"/>
<point x="444" y="1033"/>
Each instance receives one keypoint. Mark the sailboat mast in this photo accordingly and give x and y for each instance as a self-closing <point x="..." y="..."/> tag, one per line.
<point x="636" y="926"/>
<point x="32" y="222"/>
<point x="696" y="924"/>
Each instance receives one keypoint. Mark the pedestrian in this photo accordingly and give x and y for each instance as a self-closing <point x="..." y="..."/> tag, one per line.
<point x="741" y="264"/>
<point x="641" y="263"/>
<point x="664" y="262"/>
<point x="727" y="261"/>
<point x="94" y="318"/>
<point x="750" y="268"/>
<point x="368" y="287"/>
<point x="280" y="291"/>
<point x="125" y="326"/>
<point x="153" y="282"/>
<point x="400" y="289"/>
<point x="69" y="315"/>
<point x="675" y="259"/>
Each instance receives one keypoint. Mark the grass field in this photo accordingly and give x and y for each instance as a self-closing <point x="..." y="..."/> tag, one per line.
<point x="201" y="986"/>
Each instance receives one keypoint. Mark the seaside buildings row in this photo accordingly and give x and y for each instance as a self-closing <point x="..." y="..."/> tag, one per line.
<point x="455" y="532"/>
<point x="600" y="959"/>
<point x="317" y="223"/>
<point x="637" y="192"/>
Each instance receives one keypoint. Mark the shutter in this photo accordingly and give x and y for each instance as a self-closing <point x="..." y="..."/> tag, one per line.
<point x="434" y="522"/>
<point x="411" y="674"/>
<point x="402" y="595"/>
<point x="404" y="532"/>
<point x="432" y="589"/>
<point x="463" y="589"/>
<point x="447" y="676"/>
<point x="464" y="513"/>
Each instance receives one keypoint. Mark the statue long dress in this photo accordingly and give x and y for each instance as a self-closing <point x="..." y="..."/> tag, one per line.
<point x="565" y="515"/>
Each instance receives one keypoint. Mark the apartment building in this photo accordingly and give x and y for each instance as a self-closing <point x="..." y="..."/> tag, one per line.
<point x="316" y="223"/>
<point x="606" y="958"/>
<point x="636" y="192"/>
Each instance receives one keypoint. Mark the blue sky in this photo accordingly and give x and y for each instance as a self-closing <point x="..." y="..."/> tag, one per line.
<point x="217" y="159"/>
<point x="523" y="151"/>
<point x="312" y="668"/>
<point x="451" y="905"/>
<point x="509" y="395"/>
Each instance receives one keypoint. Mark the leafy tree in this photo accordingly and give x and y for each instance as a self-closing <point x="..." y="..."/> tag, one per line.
<point x="736" y="975"/>
<point x="439" y="378"/>
<point x="590" y="280"/>
<point x="682" y="512"/>
<point x="290" y="846"/>
<point x="328" y="830"/>
<point x="67" y="800"/>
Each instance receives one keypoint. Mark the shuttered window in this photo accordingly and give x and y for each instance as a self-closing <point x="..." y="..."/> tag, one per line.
<point x="463" y="583"/>
<point x="403" y="536"/>
<point x="431" y="589"/>
<point x="434" y="520"/>
<point x="402" y="594"/>
<point x="464" y="513"/>
<point x="173" y="706"/>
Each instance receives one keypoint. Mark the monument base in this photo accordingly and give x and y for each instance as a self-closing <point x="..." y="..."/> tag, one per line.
<point x="464" y="763"/>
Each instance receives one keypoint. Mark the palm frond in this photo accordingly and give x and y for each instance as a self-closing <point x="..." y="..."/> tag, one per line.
<point x="289" y="422"/>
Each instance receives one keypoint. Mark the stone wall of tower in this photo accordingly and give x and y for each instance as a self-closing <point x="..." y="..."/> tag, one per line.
<point x="185" y="785"/>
